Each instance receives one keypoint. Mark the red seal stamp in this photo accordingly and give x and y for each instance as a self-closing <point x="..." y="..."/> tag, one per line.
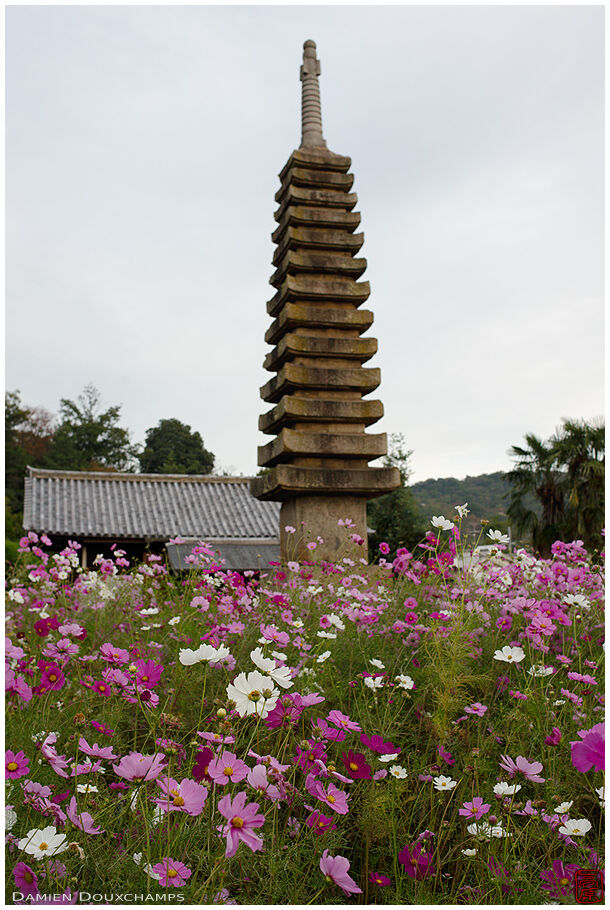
<point x="588" y="886"/>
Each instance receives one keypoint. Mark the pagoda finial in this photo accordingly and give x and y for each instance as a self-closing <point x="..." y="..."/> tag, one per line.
<point x="311" y="136"/>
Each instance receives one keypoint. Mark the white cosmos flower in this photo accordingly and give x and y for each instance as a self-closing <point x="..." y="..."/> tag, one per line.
<point x="562" y="808"/>
<point x="398" y="772"/>
<point x="336" y="621"/>
<point x="86" y="788"/>
<point x="322" y="657"/>
<point x="472" y="852"/>
<point x="188" y="657"/>
<point x="405" y="682"/>
<point x="540" y="670"/>
<point x="377" y="663"/>
<point x="42" y="843"/>
<point x="510" y="655"/>
<point x="279" y="655"/>
<point x="484" y="829"/>
<point x="498" y="536"/>
<point x="253" y="694"/>
<point x="462" y="512"/>
<point x="174" y="620"/>
<point x="137" y="858"/>
<point x="279" y="675"/>
<point x="602" y="797"/>
<point x="388" y="757"/>
<point x="439" y="521"/>
<point x="575" y="827"/>
<point x="444" y="783"/>
<point x="373" y="682"/>
<point x="506" y="789"/>
<point x="10" y="817"/>
<point x="326" y="634"/>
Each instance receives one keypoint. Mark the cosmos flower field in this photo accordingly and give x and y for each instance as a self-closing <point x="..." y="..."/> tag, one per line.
<point x="423" y="730"/>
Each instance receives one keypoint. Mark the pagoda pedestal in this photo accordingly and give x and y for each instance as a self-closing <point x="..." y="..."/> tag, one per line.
<point x="318" y="461"/>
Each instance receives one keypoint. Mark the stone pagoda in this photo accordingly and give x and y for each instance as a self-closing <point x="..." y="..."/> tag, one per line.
<point x="318" y="460"/>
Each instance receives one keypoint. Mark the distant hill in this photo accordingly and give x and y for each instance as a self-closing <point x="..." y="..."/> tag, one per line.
<point x="483" y="493"/>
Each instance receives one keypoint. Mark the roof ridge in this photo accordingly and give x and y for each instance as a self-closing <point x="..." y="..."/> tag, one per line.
<point x="129" y="476"/>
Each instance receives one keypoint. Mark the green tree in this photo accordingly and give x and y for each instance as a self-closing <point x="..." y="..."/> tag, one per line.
<point x="579" y="449"/>
<point x="395" y="517"/>
<point x="89" y="438"/>
<point x="15" y="458"/>
<point x="173" y="448"/>
<point x="566" y="476"/>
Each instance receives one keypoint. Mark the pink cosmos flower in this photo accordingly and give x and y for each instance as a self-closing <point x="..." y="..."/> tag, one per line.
<point x="102" y="728"/>
<point x="530" y="770"/>
<point x="335" y="869"/>
<point x="582" y="677"/>
<point x="171" y="872"/>
<point x="82" y="820"/>
<point x="114" y="655"/>
<point x="328" y="732"/>
<point x="227" y="767"/>
<point x="476" y="708"/>
<point x="242" y="819"/>
<point x="554" y="737"/>
<point x="445" y="755"/>
<point x="343" y="722"/>
<point x="475" y="809"/>
<point x="258" y="780"/>
<point x="58" y="762"/>
<point x="136" y="766"/>
<point x="417" y="863"/>
<point x="306" y="758"/>
<point x="590" y="752"/>
<point x="186" y="796"/>
<point x="96" y="751"/>
<point x="356" y="765"/>
<point x="25" y="880"/>
<point x="16" y="765"/>
<point x="384" y="548"/>
<point x="333" y="797"/>
<point x="102" y="688"/>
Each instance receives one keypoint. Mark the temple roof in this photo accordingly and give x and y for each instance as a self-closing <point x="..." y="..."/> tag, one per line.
<point x="150" y="506"/>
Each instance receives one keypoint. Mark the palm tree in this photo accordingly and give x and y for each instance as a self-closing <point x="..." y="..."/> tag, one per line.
<point x="579" y="449"/>
<point x="536" y="475"/>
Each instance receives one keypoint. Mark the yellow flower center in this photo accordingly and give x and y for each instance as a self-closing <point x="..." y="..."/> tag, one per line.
<point x="254" y="695"/>
<point x="43" y="846"/>
<point x="331" y="799"/>
<point x="353" y="766"/>
<point x="12" y="766"/>
<point x="53" y="677"/>
<point x="145" y="679"/>
<point x="171" y="873"/>
<point x="564" y="881"/>
<point x="178" y="801"/>
<point x="229" y="771"/>
<point x="29" y="877"/>
<point x="237" y="822"/>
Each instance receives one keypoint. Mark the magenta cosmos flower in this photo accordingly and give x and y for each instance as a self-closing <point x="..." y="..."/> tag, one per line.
<point x="343" y="722"/>
<point x="475" y="809"/>
<point x="417" y="863"/>
<point x="335" y="869"/>
<point x="25" y="880"/>
<point x="242" y="819"/>
<point x="82" y="820"/>
<point x="148" y="673"/>
<point x="558" y="879"/>
<point x="16" y="765"/>
<point x="96" y="751"/>
<point x="171" y="872"/>
<point x="356" y="766"/>
<point x="377" y="744"/>
<point x="378" y="879"/>
<point x="590" y="752"/>
<point x="226" y="768"/>
<point x="530" y="770"/>
<point x="136" y="766"/>
<point x="320" y="823"/>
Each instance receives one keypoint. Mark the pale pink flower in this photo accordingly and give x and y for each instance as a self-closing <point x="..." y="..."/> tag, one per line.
<point x="242" y="819"/>
<point x="335" y="869"/>
<point x="530" y="770"/>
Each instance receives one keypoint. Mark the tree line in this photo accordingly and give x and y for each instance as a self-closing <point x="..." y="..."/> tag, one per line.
<point x="89" y="437"/>
<point x="555" y="491"/>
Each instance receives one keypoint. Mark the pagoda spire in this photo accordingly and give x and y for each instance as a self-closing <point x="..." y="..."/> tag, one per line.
<point x="311" y="108"/>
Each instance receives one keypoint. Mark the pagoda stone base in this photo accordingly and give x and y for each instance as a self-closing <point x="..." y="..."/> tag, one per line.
<point x="314" y="516"/>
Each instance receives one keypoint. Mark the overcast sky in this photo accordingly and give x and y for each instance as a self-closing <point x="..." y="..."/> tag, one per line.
<point x="142" y="151"/>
